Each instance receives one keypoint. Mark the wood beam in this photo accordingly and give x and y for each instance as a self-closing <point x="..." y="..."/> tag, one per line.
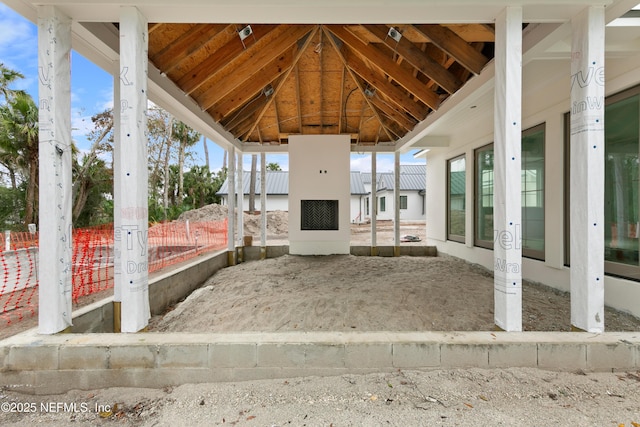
<point x="342" y="109"/>
<point x="393" y="92"/>
<point x="252" y="65"/>
<point x="185" y="45"/>
<point x="233" y="123"/>
<point x="243" y="124"/>
<point x="455" y="46"/>
<point x="417" y="58"/>
<point x="387" y="65"/>
<point x="298" y="102"/>
<point x="152" y="27"/>
<point x="298" y="54"/>
<point x="221" y="58"/>
<point x="474" y="32"/>
<point x="392" y="113"/>
<point x="354" y="77"/>
<point x="253" y="86"/>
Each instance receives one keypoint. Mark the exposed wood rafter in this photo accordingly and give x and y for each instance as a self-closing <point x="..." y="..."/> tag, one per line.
<point x="455" y="46"/>
<point x="417" y="58"/>
<point x="385" y="63"/>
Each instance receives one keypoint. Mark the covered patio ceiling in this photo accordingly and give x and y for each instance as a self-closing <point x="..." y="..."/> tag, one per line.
<point x="263" y="83"/>
<point x="250" y="73"/>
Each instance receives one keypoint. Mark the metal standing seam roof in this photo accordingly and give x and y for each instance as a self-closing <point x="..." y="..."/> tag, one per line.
<point x="412" y="178"/>
<point x="357" y="186"/>
<point x="278" y="181"/>
<point x="408" y="182"/>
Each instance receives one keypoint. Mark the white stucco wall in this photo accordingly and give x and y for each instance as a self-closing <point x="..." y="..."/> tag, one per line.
<point x="545" y="102"/>
<point x="319" y="170"/>
<point x="414" y="211"/>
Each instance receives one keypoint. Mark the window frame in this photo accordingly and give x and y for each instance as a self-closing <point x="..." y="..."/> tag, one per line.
<point x="489" y="244"/>
<point x="626" y="271"/>
<point x="450" y="236"/>
<point x="404" y="206"/>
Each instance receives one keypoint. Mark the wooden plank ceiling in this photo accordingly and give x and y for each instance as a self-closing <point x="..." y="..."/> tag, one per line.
<point x="266" y="82"/>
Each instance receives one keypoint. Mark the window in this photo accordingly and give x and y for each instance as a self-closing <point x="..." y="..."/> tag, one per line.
<point x="383" y="204"/>
<point x="484" y="197"/>
<point x="403" y="202"/>
<point x="366" y="206"/>
<point x="456" y="199"/>
<point x="533" y="192"/>
<point x="621" y="118"/>
<point x="621" y="184"/>
<point x="532" y="195"/>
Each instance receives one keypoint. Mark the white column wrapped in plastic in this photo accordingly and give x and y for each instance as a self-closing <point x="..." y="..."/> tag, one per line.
<point x="134" y="213"/>
<point x="373" y="205"/>
<point x="396" y="202"/>
<point x="263" y="200"/>
<point x="507" y="212"/>
<point x="240" y="192"/>
<point x="587" y="170"/>
<point x="117" y="193"/>
<point x="231" y="205"/>
<point x="55" y="198"/>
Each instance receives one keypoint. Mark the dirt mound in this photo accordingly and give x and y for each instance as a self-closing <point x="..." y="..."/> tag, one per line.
<point x="277" y="221"/>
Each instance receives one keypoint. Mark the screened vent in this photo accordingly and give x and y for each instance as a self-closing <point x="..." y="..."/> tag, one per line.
<point x="319" y="215"/>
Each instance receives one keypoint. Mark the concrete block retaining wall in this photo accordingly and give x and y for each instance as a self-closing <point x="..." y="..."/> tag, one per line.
<point x="54" y="364"/>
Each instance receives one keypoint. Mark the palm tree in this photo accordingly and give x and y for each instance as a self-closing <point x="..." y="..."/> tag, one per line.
<point x="19" y="145"/>
<point x="273" y="167"/>
<point x="7" y="77"/>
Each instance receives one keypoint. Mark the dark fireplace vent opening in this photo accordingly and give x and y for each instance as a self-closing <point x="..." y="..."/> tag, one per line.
<point x="319" y="215"/>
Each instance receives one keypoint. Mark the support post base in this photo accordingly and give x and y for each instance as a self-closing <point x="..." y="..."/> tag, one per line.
<point x="117" y="317"/>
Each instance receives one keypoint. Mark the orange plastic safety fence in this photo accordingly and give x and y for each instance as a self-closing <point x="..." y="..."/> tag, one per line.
<point x="92" y="260"/>
<point x="174" y="242"/>
<point x="18" y="291"/>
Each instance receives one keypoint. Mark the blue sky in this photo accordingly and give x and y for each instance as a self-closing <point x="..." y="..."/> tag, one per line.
<point x="92" y="92"/>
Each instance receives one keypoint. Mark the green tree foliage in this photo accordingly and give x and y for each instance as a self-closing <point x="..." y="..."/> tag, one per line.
<point x="273" y="167"/>
<point x="172" y="188"/>
<point x="19" y="148"/>
<point x="92" y="178"/>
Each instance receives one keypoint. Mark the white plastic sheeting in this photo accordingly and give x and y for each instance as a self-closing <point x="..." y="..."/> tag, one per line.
<point x="118" y="190"/>
<point x="132" y="237"/>
<point x="373" y="203"/>
<point x="55" y="198"/>
<point x="231" y="174"/>
<point x="507" y="169"/>
<point x="263" y="199"/>
<point x="396" y="199"/>
<point x="240" y="192"/>
<point x="587" y="170"/>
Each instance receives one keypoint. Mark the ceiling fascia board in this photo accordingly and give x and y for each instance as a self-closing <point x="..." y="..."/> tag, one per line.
<point x="478" y="85"/>
<point x="327" y="11"/>
<point x="618" y="8"/>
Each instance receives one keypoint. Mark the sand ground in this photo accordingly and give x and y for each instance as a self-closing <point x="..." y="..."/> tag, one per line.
<point x="471" y="397"/>
<point x="357" y="293"/>
<point x="346" y="292"/>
